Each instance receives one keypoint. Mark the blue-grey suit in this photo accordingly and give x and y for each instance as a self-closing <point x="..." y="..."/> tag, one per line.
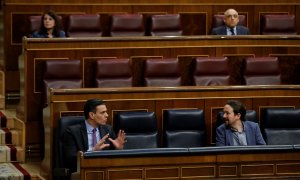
<point x="221" y="30"/>
<point x="224" y="135"/>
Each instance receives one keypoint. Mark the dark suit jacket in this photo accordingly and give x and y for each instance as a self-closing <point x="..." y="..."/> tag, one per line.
<point x="253" y="135"/>
<point x="76" y="139"/>
<point x="221" y="30"/>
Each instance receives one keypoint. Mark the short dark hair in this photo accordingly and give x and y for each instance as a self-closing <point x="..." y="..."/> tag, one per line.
<point x="90" y="106"/>
<point x="238" y="107"/>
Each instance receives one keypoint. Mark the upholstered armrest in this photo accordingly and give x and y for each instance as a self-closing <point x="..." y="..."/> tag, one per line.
<point x="137" y="152"/>
<point x="240" y="149"/>
<point x="188" y="151"/>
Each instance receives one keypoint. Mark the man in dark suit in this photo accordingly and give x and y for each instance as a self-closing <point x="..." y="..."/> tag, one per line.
<point x="236" y="131"/>
<point x="231" y="19"/>
<point x="92" y="135"/>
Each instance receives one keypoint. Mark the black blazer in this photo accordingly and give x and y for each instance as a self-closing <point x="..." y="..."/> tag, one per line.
<point x="76" y="139"/>
<point x="221" y="30"/>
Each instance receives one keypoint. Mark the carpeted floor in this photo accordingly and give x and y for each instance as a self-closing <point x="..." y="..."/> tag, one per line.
<point x="12" y="171"/>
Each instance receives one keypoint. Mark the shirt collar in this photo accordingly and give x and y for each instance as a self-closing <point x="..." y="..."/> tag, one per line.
<point x="89" y="127"/>
<point x="235" y="130"/>
<point x="228" y="30"/>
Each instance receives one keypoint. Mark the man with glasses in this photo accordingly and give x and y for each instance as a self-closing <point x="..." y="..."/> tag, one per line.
<point x="231" y="27"/>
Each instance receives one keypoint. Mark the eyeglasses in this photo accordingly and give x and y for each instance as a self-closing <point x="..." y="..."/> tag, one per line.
<point x="231" y="15"/>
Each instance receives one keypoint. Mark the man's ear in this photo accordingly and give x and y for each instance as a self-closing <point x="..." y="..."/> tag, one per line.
<point x="91" y="115"/>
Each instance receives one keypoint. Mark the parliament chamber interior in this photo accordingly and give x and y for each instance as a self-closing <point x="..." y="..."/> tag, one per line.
<point x="164" y="79"/>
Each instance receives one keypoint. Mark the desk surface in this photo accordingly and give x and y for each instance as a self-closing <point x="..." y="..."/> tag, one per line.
<point x="161" y="42"/>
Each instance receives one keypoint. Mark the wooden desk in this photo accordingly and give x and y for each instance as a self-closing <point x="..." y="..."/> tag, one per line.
<point x="267" y="162"/>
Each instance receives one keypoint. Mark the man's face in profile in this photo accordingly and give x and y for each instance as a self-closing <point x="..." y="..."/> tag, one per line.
<point x="231" y="18"/>
<point x="229" y="117"/>
<point x="100" y="117"/>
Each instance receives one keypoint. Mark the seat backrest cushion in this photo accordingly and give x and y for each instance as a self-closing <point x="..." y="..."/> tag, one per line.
<point x="34" y="23"/>
<point x="162" y="72"/>
<point x="140" y="128"/>
<point x="282" y="126"/>
<point x="62" y="69"/>
<point x="113" y="73"/>
<point x="84" y="25"/>
<point x="184" y="128"/>
<point x="211" y="71"/>
<point x="273" y="24"/>
<point x="127" y="25"/>
<point x="262" y="71"/>
<point x="61" y="74"/>
<point x="166" y="25"/>
<point x="281" y="118"/>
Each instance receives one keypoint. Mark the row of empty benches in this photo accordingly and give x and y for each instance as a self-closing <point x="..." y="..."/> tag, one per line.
<point x="165" y="72"/>
<point x="87" y="25"/>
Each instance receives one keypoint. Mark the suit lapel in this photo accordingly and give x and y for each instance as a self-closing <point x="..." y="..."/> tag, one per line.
<point x="84" y="136"/>
<point x="103" y="131"/>
<point x="248" y="134"/>
<point x="224" y="31"/>
<point x="238" y="30"/>
<point x="229" y="137"/>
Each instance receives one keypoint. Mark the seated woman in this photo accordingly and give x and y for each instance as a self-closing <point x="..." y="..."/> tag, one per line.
<point x="50" y="26"/>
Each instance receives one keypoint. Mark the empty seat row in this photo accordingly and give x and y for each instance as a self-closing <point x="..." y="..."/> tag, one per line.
<point x="90" y="25"/>
<point x="206" y="71"/>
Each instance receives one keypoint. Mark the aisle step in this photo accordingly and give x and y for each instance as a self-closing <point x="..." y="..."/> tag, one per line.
<point x="13" y="171"/>
<point x="9" y="136"/>
<point x="11" y="154"/>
